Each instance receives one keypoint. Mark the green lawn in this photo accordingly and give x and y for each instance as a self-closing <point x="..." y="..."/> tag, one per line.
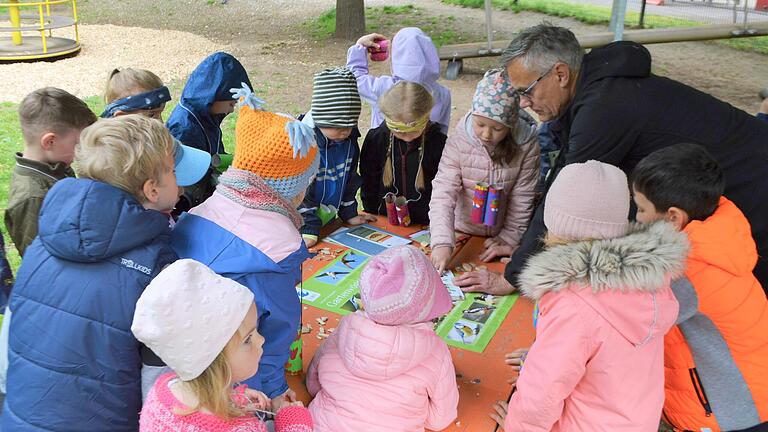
<point x="11" y="142"/>
<point x="388" y="19"/>
<point x="602" y="15"/>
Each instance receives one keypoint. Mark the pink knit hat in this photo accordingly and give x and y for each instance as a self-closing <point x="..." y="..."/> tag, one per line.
<point x="588" y="200"/>
<point x="401" y="286"/>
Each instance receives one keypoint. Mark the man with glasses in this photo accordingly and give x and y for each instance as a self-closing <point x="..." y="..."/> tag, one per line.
<point x="607" y="105"/>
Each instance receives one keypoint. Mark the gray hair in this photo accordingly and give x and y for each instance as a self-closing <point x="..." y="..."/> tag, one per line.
<point x="542" y="46"/>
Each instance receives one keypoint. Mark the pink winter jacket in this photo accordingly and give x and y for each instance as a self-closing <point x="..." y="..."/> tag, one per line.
<point x="465" y="162"/>
<point x="371" y="377"/>
<point x="597" y="363"/>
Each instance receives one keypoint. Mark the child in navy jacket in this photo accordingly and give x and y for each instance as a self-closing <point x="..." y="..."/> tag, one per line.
<point x="334" y="115"/>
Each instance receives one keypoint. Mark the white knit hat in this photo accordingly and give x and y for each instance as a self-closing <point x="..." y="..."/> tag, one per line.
<point x="588" y="200"/>
<point x="188" y="314"/>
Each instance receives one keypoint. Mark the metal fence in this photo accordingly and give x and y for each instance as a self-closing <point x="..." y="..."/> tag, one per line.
<point x="695" y="12"/>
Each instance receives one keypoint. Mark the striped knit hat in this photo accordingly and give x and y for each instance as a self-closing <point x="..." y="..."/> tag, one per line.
<point x="279" y="149"/>
<point x="335" y="100"/>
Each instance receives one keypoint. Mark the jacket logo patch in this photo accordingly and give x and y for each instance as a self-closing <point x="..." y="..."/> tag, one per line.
<point x="136" y="266"/>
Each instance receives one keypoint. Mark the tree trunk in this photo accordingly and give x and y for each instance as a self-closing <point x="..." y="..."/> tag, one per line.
<point x="350" y="19"/>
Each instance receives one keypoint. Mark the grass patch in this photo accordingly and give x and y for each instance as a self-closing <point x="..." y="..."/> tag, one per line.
<point x="591" y="14"/>
<point x="388" y="19"/>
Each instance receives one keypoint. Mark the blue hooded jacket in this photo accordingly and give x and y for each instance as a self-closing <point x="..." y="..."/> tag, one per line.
<point x="273" y="285"/>
<point x="74" y="364"/>
<point x="190" y="122"/>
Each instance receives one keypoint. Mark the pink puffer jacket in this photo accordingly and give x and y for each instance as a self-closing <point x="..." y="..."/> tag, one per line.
<point x="465" y="162"/>
<point x="371" y="377"/>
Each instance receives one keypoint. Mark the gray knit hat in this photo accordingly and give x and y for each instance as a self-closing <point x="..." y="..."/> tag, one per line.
<point x="335" y="100"/>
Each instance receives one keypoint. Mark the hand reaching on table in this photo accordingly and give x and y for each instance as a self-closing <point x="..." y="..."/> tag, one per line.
<point x="361" y="219"/>
<point x="516" y="358"/>
<point x="484" y="281"/>
<point x="494" y="248"/>
<point x="440" y="256"/>
<point x="499" y="413"/>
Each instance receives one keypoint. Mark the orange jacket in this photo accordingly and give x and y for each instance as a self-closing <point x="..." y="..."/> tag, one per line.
<point x="716" y="358"/>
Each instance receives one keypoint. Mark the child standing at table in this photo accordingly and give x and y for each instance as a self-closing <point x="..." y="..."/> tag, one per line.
<point x="334" y="115"/>
<point x="401" y="156"/>
<point x="495" y="145"/>
<point x="208" y="356"/>
<point x="414" y="58"/>
<point x="248" y="230"/>
<point x="604" y="305"/>
<point x="388" y="357"/>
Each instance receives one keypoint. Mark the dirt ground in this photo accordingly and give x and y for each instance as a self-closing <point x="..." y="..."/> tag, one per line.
<point x="268" y="38"/>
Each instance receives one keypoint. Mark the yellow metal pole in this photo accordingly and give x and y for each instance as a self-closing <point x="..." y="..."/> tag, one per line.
<point x="13" y="11"/>
<point x="42" y="27"/>
<point x="74" y="15"/>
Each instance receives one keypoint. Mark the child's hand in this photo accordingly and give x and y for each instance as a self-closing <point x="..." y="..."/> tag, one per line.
<point x="440" y="256"/>
<point x="361" y="219"/>
<point x="516" y="358"/>
<point x="309" y="241"/>
<point x="499" y="413"/>
<point x="286" y="399"/>
<point x="258" y="400"/>
<point x="495" y="247"/>
<point x="369" y="40"/>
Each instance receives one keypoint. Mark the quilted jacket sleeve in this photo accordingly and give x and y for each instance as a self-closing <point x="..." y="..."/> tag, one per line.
<point x="444" y="397"/>
<point x="520" y="203"/>
<point x="446" y="188"/>
<point x="313" y="378"/>
<point x="554" y="365"/>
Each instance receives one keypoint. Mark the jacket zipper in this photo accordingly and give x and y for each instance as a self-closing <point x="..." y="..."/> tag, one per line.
<point x="703" y="400"/>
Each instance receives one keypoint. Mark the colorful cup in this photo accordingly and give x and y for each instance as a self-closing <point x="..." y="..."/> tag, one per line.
<point x="389" y="200"/>
<point x="492" y="206"/>
<point x="478" y="202"/>
<point x="382" y="53"/>
<point x="401" y="205"/>
<point x="295" y="365"/>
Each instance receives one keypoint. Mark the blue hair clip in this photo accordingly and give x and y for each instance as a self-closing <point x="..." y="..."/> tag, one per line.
<point x="301" y="137"/>
<point x="248" y="98"/>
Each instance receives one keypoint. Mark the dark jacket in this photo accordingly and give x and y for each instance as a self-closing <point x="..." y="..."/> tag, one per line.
<point x="30" y="181"/>
<point x="74" y="364"/>
<point x="372" y="158"/>
<point x="621" y="112"/>
<point x="336" y="183"/>
<point x="190" y="122"/>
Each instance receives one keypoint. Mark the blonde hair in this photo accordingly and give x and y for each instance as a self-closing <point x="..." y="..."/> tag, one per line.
<point x="127" y="82"/>
<point x="213" y="387"/>
<point x="405" y="102"/>
<point x="124" y="152"/>
<point x="51" y="109"/>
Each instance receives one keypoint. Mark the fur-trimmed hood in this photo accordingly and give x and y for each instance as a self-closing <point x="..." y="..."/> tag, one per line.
<point x="643" y="260"/>
<point x="624" y="280"/>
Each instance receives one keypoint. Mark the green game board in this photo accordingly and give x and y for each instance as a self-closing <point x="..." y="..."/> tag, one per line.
<point x="470" y="325"/>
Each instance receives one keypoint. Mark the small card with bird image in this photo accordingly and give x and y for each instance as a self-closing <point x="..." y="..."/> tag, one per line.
<point x="472" y="322"/>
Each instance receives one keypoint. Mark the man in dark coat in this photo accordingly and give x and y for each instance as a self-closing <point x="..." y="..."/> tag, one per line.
<point x="608" y="106"/>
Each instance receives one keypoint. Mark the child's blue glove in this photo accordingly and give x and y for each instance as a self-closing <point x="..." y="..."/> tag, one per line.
<point x="248" y="98"/>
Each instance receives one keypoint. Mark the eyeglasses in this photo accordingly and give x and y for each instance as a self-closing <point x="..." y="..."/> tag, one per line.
<point x="528" y="92"/>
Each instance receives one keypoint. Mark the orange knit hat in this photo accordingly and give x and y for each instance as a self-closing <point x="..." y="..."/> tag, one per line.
<point x="276" y="148"/>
